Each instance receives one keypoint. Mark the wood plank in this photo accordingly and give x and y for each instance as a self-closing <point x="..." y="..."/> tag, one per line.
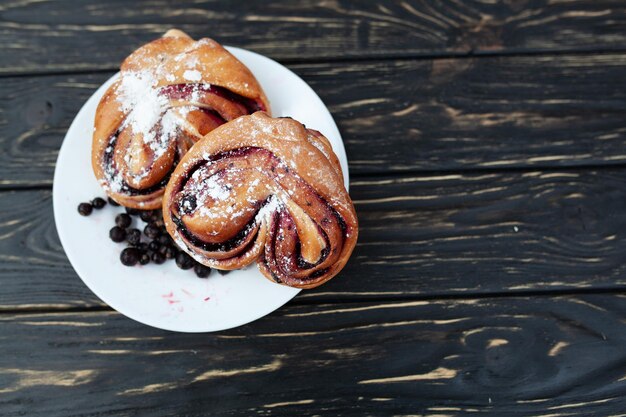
<point x="419" y="236"/>
<point x="400" y="116"/>
<point x="64" y="35"/>
<point x="456" y="114"/>
<point x="34" y="271"/>
<point x="513" y="356"/>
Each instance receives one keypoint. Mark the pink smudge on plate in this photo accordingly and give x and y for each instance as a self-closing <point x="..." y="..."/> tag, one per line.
<point x="170" y="298"/>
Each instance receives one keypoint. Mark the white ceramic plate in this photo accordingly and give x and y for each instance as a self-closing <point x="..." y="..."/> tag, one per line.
<point x="164" y="296"/>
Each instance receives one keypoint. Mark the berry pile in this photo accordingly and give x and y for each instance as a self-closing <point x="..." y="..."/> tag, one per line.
<point x="153" y="245"/>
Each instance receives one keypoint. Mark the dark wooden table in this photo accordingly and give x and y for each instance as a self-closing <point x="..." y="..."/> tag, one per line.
<point x="487" y="149"/>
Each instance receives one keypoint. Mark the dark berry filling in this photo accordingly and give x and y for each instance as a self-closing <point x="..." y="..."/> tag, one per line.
<point x="179" y="91"/>
<point x="184" y="91"/>
<point x="186" y="205"/>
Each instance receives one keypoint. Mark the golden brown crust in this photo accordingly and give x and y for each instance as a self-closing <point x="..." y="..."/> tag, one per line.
<point x="197" y="86"/>
<point x="263" y="189"/>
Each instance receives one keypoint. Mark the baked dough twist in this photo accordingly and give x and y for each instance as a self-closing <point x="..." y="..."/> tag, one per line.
<point x="263" y="189"/>
<point x="170" y="93"/>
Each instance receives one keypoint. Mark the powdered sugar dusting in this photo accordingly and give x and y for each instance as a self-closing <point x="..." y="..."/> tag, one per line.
<point x="274" y="204"/>
<point x="319" y="146"/>
<point x="149" y="112"/>
<point x="212" y="188"/>
<point x="192" y="75"/>
<point x="140" y="99"/>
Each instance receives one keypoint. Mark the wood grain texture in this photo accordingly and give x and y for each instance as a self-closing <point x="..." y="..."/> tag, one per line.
<point x="65" y="35"/>
<point x="32" y="261"/>
<point x="536" y="356"/>
<point x="395" y="116"/>
<point x="485" y="113"/>
<point x="419" y="236"/>
<point x="488" y="175"/>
